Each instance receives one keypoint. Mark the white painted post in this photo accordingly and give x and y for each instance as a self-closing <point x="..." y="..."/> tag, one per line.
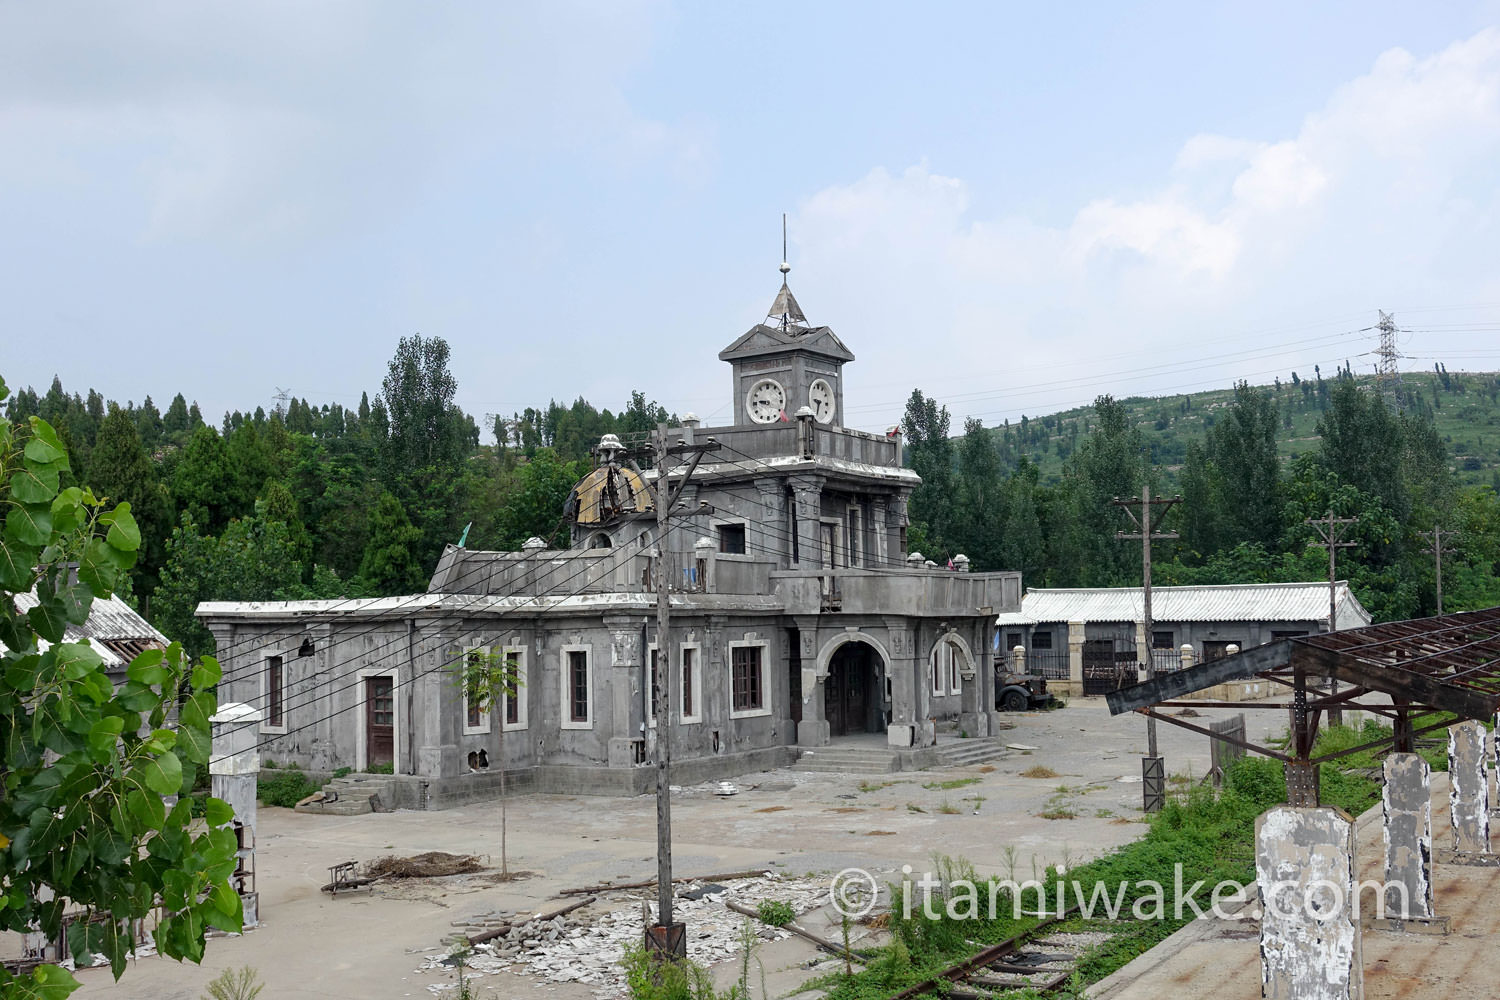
<point x="1407" y="806"/>
<point x="1469" y="788"/>
<point x="1018" y="660"/>
<point x="1309" y="936"/>
<point x="234" y="768"/>
<point x="1186" y="652"/>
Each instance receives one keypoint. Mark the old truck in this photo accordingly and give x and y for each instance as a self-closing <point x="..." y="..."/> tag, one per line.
<point x="1019" y="692"/>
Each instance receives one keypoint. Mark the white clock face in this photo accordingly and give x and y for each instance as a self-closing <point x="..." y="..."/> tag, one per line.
<point x="766" y="401"/>
<point x="820" y="398"/>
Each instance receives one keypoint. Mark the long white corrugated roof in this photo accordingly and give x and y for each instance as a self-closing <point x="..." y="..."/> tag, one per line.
<point x="1266" y="602"/>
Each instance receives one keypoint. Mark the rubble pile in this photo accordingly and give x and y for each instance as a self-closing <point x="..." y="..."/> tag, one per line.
<point x="586" y="946"/>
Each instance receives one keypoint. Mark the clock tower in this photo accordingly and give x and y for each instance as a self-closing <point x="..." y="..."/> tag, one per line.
<point x="783" y="364"/>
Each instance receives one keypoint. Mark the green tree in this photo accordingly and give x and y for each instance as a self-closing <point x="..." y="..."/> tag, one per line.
<point x="251" y="560"/>
<point x="120" y="469"/>
<point x="982" y="513"/>
<point x="1242" y="450"/>
<point x="930" y="454"/>
<point x="1109" y="463"/>
<point x="534" y="506"/>
<point x="489" y="679"/>
<point x="390" y="565"/>
<point x="87" y="765"/>
<point x="204" y="481"/>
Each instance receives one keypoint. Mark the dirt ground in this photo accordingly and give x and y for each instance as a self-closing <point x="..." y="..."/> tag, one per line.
<point x="372" y="945"/>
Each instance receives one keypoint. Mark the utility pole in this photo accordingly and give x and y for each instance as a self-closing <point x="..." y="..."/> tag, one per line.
<point x="667" y="939"/>
<point x="1437" y="547"/>
<point x="1331" y="529"/>
<point x="1147" y="525"/>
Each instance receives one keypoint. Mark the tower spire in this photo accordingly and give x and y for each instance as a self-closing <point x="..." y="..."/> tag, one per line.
<point x="785" y="311"/>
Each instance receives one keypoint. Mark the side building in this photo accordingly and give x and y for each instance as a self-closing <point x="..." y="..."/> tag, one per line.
<point x="798" y="617"/>
<point x="1079" y="639"/>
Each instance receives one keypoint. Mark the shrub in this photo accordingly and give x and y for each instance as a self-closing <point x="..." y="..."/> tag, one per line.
<point x="775" y="912"/>
<point x="284" y="787"/>
<point x="235" y="984"/>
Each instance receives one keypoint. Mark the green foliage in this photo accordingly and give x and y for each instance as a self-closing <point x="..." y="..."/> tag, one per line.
<point x="647" y="978"/>
<point x="87" y="764"/>
<point x="775" y="913"/>
<point x="285" y="787"/>
<point x="235" y="984"/>
<point x="390" y="563"/>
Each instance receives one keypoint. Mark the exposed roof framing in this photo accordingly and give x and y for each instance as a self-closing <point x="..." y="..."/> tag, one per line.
<point x="1450" y="663"/>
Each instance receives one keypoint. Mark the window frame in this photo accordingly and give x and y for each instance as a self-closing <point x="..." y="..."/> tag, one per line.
<point x="1042" y="641"/>
<point x="515" y="648"/>
<point x="744" y="536"/>
<point x="694" y="671"/>
<point x="274" y="722"/>
<point x="764" y="656"/>
<point x="566" y="720"/>
<point x="482" y="727"/>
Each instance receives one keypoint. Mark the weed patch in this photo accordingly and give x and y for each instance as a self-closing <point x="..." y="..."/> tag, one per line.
<point x="1039" y="771"/>
<point x="951" y="784"/>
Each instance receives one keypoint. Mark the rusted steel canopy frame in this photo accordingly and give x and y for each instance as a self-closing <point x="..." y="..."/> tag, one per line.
<point x="1385" y="740"/>
<point x="1464" y="701"/>
<point x="1265" y="751"/>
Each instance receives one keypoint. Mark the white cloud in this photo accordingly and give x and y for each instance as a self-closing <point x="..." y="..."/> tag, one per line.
<point x="1387" y="193"/>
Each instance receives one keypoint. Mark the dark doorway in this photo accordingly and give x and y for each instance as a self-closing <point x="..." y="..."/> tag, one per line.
<point x="851" y="694"/>
<point x="380" y="721"/>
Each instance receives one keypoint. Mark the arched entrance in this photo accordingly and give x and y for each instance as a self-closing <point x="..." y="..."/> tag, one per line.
<point x="854" y="691"/>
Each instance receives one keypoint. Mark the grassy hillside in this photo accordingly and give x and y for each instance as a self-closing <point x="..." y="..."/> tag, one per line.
<point x="1465" y="407"/>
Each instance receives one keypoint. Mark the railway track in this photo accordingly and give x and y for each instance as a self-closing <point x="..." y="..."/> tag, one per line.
<point x="1029" y="960"/>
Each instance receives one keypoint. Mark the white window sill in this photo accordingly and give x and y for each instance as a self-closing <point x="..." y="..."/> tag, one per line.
<point x="751" y="713"/>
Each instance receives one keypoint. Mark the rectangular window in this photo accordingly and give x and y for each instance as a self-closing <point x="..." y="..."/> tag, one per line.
<point x="275" y="692"/>
<point x="1162" y="640"/>
<point x="655" y="687"/>
<point x="955" y="685"/>
<point x="749" y="693"/>
<point x="513" y="698"/>
<point x="1041" y="640"/>
<point x="937" y="669"/>
<point x="577" y="694"/>
<point x="732" y="539"/>
<point x="1012" y="640"/>
<point x="689" y="688"/>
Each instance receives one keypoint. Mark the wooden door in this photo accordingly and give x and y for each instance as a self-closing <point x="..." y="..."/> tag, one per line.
<point x="846" y="695"/>
<point x="380" y="721"/>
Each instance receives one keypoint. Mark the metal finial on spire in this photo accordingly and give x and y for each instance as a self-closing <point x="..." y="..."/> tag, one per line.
<point x="785" y="267"/>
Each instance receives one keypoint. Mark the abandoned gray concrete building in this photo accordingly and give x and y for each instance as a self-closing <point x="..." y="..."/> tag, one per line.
<point x="1076" y="636"/>
<point x="798" y="617"/>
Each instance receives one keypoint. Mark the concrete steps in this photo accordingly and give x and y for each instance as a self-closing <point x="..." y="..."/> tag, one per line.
<point x="353" y="795"/>
<point x="969" y="753"/>
<point x="849" y="760"/>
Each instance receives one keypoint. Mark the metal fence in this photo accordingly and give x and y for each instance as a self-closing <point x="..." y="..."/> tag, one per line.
<point x="1051" y="664"/>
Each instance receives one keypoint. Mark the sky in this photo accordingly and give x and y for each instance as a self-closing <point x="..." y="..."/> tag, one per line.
<point x="1012" y="207"/>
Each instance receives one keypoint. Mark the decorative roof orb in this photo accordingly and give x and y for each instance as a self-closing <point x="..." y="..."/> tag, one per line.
<point x="532" y="544"/>
<point x="608" y="448"/>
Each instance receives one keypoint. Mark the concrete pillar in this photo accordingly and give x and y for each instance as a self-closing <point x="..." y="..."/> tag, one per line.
<point x="807" y="492"/>
<point x="627" y="708"/>
<point x="1075" y="657"/>
<point x="770" y="532"/>
<point x="1469" y="788"/>
<point x="1018" y="660"/>
<point x="234" y="768"/>
<point x="1186" y="652"/>
<point x="1309" y="938"/>
<point x="1407" y="804"/>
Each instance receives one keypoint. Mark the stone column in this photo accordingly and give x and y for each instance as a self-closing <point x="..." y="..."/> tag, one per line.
<point x="626" y="709"/>
<point x="1075" y="658"/>
<point x="770" y="530"/>
<point x="807" y="492"/>
<point x="1018" y="660"/>
<point x="813" y="729"/>
<point x="233" y="769"/>
<point x="1186" y="652"/>
<point x="1469" y="788"/>
<point x="1407" y="806"/>
<point x="1309" y="938"/>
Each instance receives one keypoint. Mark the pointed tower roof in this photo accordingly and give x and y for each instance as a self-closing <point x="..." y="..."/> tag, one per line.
<point x="785" y="311"/>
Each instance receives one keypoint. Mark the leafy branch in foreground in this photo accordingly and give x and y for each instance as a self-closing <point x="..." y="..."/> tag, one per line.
<point x="94" y="814"/>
